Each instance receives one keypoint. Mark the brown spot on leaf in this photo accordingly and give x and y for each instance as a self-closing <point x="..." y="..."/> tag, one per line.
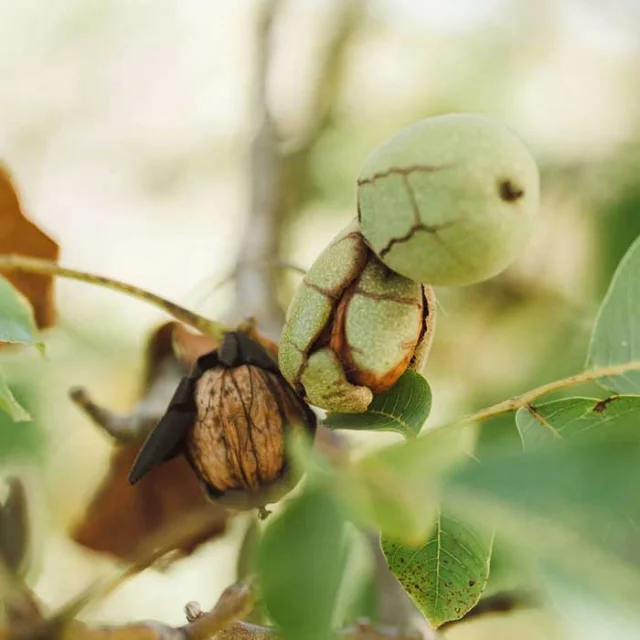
<point x="21" y="236"/>
<point x="602" y="405"/>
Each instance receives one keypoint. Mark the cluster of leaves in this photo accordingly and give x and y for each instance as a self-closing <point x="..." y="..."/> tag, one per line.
<point x="567" y="497"/>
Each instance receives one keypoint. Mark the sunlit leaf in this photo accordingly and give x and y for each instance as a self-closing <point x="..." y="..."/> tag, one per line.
<point x="301" y="564"/>
<point x="25" y="441"/>
<point x="17" y="324"/>
<point x="577" y="419"/>
<point x="616" y="335"/>
<point x="566" y="506"/>
<point x="446" y="575"/>
<point x="510" y="571"/>
<point x="356" y="598"/>
<point x="397" y="488"/>
<point x="20" y="235"/>
<point x="403" y="408"/>
<point x="496" y="434"/>
<point x="10" y="405"/>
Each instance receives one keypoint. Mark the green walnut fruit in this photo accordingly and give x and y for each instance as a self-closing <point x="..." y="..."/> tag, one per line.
<point x="353" y="327"/>
<point x="449" y="200"/>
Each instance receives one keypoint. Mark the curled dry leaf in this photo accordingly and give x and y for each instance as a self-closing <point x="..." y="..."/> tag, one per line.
<point x="140" y="511"/>
<point x="19" y="235"/>
<point x="121" y="516"/>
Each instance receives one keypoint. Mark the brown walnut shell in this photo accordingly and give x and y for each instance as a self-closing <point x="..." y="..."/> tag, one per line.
<point x="238" y="440"/>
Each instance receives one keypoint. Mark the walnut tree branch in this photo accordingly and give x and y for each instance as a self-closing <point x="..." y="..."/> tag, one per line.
<point x="235" y="602"/>
<point x="280" y="179"/>
<point x="221" y="623"/>
<point x="256" y="293"/>
<point x="327" y="88"/>
<point x="361" y="630"/>
<point x="297" y="167"/>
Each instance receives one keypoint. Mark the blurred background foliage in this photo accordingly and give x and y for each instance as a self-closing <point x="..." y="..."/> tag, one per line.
<point x="127" y="127"/>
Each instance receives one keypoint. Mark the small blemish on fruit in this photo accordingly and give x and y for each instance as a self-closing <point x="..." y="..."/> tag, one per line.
<point x="509" y="192"/>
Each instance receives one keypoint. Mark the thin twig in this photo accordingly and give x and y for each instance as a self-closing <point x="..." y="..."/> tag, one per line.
<point x="327" y="89"/>
<point x="173" y="537"/>
<point x="25" y="264"/>
<point x="235" y="602"/>
<point x="297" y="164"/>
<point x="125" y="429"/>
<point x="517" y="402"/>
<point x="221" y="623"/>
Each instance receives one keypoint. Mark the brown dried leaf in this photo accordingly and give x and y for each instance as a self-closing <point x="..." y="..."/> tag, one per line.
<point x="121" y="517"/>
<point x="19" y="235"/>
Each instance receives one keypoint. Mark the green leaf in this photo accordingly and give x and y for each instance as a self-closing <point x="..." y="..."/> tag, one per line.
<point x="17" y="323"/>
<point x="301" y="564"/>
<point x="446" y="575"/>
<point x="510" y="571"/>
<point x="579" y="419"/>
<point x="404" y="408"/>
<point x="616" y="335"/>
<point x="569" y="507"/>
<point x="10" y="405"/>
<point x="397" y="487"/>
<point x="356" y="598"/>
<point x="496" y="434"/>
<point x="25" y="442"/>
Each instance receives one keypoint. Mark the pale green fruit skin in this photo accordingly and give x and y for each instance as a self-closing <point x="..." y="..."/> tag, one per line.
<point x="315" y="299"/>
<point x="432" y="202"/>
<point x="384" y="314"/>
<point x="383" y="320"/>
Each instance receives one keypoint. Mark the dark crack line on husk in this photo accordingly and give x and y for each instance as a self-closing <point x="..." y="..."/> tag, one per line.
<point x="403" y="171"/>
<point x="321" y="291"/>
<point x="391" y="298"/>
